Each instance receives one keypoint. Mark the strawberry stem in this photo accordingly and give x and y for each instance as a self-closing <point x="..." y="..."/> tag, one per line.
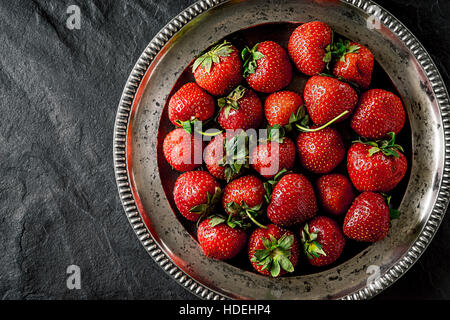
<point x="210" y="134"/>
<point x="191" y="125"/>
<point x="305" y="129"/>
<point x="254" y="220"/>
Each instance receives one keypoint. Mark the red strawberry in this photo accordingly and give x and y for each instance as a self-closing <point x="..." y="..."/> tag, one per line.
<point x="323" y="241"/>
<point x="335" y="193"/>
<point x="307" y="46"/>
<point x="267" y="67"/>
<point x="226" y="155"/>
<point x="273" y="251"/>
<point x="220" y="241"/>
<point x="241" y="109"/>
<point x="219" y="70"/>
<point x="195" y="194"/>
<point x="326" y="98"/>
<point x="378" y="112"/>
<point x="244" y="197"/>
<point x="292" y="201"/>
<point x="182" y="150"/>
<point x="281" y="107"/>
<point x="368" y="218"/>
<point x="355" y="64"/>
<point x="273" y="155"/>
<point x="214" y="155"/>
<point x="190" y="103"/>
<point x="320" y="151"/>
<point x="247" y="189"/>
<point x="376" y="166"/>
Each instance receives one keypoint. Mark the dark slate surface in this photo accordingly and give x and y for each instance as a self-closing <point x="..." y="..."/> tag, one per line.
<point x="59" y="204"/>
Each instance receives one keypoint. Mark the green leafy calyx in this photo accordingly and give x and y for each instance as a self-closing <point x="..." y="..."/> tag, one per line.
<point x="393" y="213"/>
<point x="299" y="118"/>
<point x="207" y="59"/>
<point x="275" y="255"/>
<point x="250" y="56"/>
<point x="232" y="100"/>
<point x="205" y="209"/>
<point x="232" y="221"/>
<point x="270" y="184"/>
<point x="187" y="125"/>
<point x="236" y="155"/>
<point x="337" y="51"/>
<point x="387" y="147"/>
<point x="275" y="133"/>
<point x="312" y="247"/>
<point x="245" y="212"/>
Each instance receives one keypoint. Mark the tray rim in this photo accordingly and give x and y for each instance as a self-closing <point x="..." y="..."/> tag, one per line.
<point x="124" y="185"/>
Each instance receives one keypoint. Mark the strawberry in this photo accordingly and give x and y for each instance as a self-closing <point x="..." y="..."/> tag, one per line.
<point x="190" y="103"/>
<point x="241" y="109"/>
<point x="355" y="63"/>
<point x="274" y="154"/>
<point x="244" y="197"/>
<point x="281" y="107"/>
<point x="182" y="150"/>
<point x="273" y="251"/>
<point x="227" y="155"/>
<point x="335" y="193"/>
<point x="320" y="151"/>
<point x="326" y="98"/>
<point x="378" y="112"/>
<point x="323" y="241"/>
<point x="368" y="218"/>
<point x="267" y="67"/>
<point x="214" y="155"/>
<point x="195" y="194"/>
<point x="220" y="241"/>
<point x="307" y="47"/>
<point x="292" y="200"/>
<point x="219" y="70"/>
<point x="376" y="166"/>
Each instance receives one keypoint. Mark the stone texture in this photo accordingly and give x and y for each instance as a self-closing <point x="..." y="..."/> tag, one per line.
<point x="59" y="90"/>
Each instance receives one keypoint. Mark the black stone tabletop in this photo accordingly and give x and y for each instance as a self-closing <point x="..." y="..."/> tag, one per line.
<point x="60" y="214"/>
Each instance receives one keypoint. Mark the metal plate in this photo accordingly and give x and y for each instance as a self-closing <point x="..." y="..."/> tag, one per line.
<point x="136" y="158"/>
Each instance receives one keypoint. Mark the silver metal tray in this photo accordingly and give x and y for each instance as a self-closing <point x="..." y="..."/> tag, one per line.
<point x="136" y="158"/>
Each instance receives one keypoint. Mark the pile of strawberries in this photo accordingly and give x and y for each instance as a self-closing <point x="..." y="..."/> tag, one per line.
<point x="233" y="193"/>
